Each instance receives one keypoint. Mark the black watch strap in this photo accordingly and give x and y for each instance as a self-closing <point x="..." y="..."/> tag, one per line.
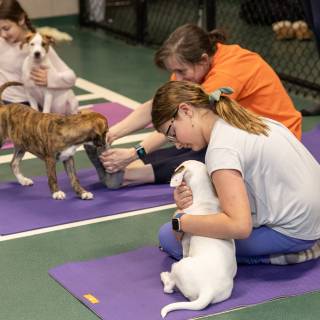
<point x="141" y="152"/>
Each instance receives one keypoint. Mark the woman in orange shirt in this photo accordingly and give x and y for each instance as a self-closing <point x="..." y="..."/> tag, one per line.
<point x="192" y="54"/>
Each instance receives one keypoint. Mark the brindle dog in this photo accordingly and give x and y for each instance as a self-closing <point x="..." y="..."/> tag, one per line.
<point x="50" y="137"/>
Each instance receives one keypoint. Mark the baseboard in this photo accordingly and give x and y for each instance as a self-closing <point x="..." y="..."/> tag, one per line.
<point x="56" y="21"/>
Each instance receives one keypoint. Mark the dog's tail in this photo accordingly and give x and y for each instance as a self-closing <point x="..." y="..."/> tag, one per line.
<point x="204" y="299"/>
<point x="8" y="84"/>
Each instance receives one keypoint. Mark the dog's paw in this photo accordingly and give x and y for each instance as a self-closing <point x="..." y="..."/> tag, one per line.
<point x="25" y="181"/>
<point x="86" y="195"/>
<point x="59" y="195"/>
<point x="167" y="289"/>
<point x="164" y="276"/>
<point x="168" y="284"/>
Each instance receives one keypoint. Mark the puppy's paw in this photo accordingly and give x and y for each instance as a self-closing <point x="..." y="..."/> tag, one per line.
<point x="168" y="284"/>
<point x="164" y="276"/>
<point x="25" y="181"/>
<point x="86" y="195"/>
<point x="59" y="195"/>
<point x="167" y="289"/>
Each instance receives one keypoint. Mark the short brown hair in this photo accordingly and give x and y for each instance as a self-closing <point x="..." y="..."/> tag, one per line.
<point x="188" y="43"/>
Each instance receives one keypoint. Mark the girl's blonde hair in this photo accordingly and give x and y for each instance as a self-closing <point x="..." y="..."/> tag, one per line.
<point x="168" y="98"/>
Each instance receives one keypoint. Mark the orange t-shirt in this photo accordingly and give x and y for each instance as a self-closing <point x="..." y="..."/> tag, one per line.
<point x="256" y="86"/>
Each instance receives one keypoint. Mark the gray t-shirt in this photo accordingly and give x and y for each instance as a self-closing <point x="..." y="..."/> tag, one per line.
<point x="282" y="178"/>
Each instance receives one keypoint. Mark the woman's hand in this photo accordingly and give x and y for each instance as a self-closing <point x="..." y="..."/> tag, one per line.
<point x="40" y="76"/>
<point x="116" y="159"/>
<point x="110" y="137"/>
<point x="183" y="196"/>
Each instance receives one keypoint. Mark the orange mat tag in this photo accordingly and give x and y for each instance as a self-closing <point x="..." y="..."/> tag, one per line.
<point x="91" y="298"/>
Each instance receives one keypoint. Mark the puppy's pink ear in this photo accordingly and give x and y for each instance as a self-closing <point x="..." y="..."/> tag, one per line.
<point x="27" y="39"/>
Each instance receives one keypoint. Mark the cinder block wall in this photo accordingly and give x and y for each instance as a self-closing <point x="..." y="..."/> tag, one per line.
<point x="50" y="8"/>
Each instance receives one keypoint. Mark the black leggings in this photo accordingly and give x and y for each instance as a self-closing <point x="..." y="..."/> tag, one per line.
<point x="165" y="161"/>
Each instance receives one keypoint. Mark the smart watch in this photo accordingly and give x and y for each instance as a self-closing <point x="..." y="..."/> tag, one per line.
<point x="141" y="152"/>
<point x="176" y="223"/>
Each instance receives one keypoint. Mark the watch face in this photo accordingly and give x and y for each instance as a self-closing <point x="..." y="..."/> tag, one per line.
<point x="141" y="152"/>
<point x="175" y="224"/>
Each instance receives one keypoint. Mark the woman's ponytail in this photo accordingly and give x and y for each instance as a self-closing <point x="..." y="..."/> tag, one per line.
<point x="237" y="116"/>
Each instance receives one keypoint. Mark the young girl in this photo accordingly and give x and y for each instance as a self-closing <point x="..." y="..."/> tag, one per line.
<point x="192" y="54"/>
<point x="266" y="180"/>
<point x="14" y="26"/>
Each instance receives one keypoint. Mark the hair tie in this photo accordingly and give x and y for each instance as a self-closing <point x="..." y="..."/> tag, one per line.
<point x="215" y="95"/>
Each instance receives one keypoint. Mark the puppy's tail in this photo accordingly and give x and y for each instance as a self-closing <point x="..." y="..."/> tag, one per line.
<point x="203" y="301"/>
<point x="6" y="85"/>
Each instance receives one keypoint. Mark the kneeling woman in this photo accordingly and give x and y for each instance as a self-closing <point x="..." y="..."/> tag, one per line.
<point x="267" y="182"/>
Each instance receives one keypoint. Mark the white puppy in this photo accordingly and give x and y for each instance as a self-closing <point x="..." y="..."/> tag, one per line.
<point x="52" y="100"/>
<point x="205" y="274"/>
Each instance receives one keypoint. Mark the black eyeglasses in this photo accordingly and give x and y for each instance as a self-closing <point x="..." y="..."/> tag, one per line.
<point x="172" y="136"/>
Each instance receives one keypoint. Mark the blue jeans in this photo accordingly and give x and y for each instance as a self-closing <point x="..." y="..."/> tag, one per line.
<point x="262" y="242"/>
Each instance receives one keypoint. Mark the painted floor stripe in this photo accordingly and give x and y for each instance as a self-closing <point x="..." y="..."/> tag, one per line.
<point x="106" y="93"/>
<point x="85" y="222"/>
<point x="87" y="106"/>
<point x="88" y="96"/>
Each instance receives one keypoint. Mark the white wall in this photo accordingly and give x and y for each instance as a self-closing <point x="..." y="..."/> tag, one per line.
<point x="50" y="8"/>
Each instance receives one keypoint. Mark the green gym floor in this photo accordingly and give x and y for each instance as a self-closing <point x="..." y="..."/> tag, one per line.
<point x="26" y="291"/>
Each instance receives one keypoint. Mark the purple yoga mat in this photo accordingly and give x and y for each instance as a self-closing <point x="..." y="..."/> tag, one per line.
<point x="7" y="145"/>
<point x="28" y="208"/>
<point x="113" y="111"/>
<point x="311" y="139"/>
<point x="128" y="285"/>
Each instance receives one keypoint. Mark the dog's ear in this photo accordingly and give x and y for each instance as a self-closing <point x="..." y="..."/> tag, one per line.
<point x="27" y="39"/>
<point x="50" y="40"/>
<point x="177" y="176"/>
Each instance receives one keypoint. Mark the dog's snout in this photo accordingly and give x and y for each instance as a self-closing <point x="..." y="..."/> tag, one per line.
<point x="99" y="141"/>
<point x="37" y="54"/>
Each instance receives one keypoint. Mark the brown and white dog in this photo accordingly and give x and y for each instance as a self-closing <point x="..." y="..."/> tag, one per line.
<point x="50" y="99"/>
<point x="51" y="137"/>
